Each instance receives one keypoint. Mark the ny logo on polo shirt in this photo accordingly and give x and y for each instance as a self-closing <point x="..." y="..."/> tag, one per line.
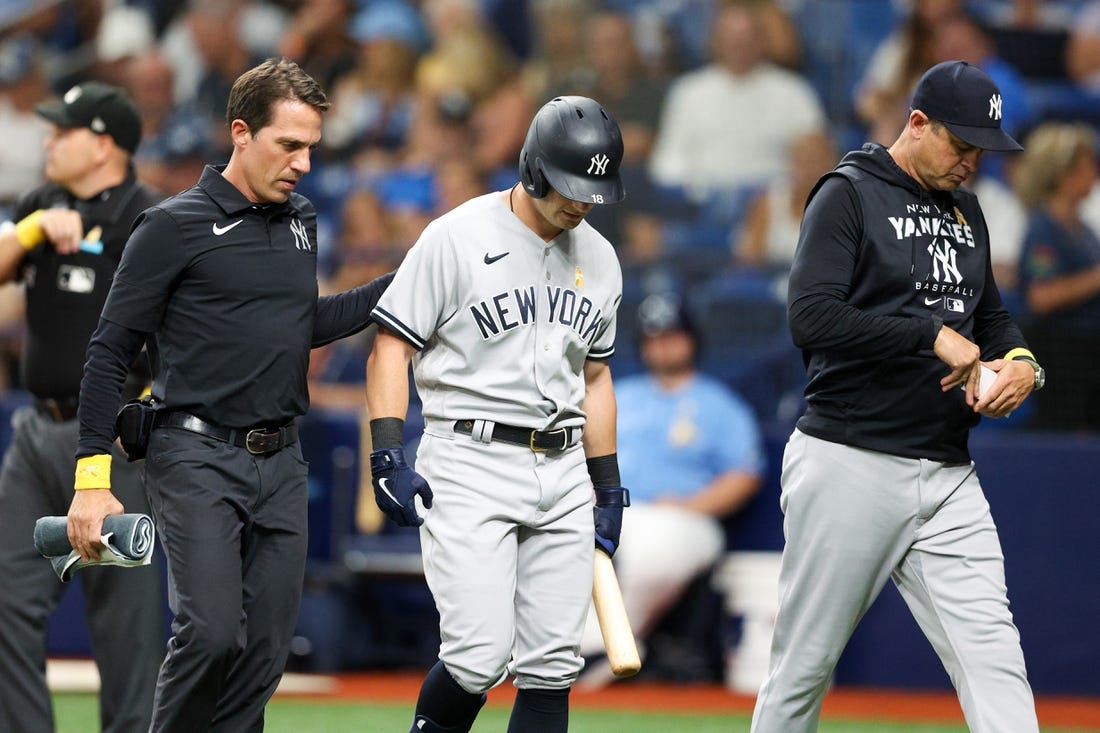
<point x="301" y="237"/>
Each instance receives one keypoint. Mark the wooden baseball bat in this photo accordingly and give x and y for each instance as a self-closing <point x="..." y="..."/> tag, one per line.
<point x="618" y="637"/>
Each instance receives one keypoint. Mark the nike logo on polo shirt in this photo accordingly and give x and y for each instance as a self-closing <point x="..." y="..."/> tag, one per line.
<point x="218" y="231"/>
<point x="490" y="260"/>
<point x="932" y="301"/>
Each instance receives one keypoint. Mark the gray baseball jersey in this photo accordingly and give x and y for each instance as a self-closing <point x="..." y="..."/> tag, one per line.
<point x="503" y="323"/>
<point x="489" y="305"/>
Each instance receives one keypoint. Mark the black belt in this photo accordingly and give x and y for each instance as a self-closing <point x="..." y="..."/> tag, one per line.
<point x="537" y="440"/>
<point x="257" y="440"/>
<point x="57" y="410"/>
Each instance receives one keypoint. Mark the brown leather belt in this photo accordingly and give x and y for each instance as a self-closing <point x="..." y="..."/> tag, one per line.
<point x="258" y="440"/>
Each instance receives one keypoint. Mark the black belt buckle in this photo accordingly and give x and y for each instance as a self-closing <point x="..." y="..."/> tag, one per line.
<point x="546" y="434"/>
<point x="259" y="442"/>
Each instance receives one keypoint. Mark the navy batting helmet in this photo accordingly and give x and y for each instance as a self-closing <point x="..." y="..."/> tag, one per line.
<point x="575" y="147"/>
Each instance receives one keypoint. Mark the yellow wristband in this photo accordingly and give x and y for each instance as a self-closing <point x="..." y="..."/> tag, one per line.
<point x="1019" y="351"/>
<point x="93" y="472"/>
<point x="29" y="231"/>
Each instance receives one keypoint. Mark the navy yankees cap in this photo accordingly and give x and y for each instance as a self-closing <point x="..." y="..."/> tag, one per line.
<point x="967" y="102"/>
<point x="100" y="107"/>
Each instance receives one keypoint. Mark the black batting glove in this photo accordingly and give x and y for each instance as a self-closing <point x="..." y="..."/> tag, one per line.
<point x="608" y="516"/>
<point x="396" y="486"/>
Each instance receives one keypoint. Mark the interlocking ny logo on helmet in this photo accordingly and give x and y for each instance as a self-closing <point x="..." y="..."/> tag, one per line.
<point x="575" y="147"/>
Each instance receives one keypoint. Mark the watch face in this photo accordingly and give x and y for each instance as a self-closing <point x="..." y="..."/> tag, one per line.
<point x="1040" y="378"/>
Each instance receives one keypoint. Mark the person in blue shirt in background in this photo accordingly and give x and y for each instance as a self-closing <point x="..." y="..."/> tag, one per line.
<point x="692" y="450"/>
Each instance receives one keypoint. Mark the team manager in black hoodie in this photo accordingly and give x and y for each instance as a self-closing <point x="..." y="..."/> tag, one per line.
<point x="892" y="301"/>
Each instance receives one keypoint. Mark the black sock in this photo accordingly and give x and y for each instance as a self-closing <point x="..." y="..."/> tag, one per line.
<point x="540" y="711"/>
<point x="443" y="701"/>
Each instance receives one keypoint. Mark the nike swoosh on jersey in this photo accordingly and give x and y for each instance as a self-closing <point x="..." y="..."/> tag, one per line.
<point x="218" y="231"/>
<point x="932" y="301"/>
<point x="382" y="485"/>
<point x="490" y="260"/>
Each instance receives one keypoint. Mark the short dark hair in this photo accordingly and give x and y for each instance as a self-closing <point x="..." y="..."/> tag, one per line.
<point x="256" y="91"/>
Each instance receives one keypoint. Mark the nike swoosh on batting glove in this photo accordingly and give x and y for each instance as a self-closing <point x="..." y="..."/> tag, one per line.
<point x="396" y="486"/>
<point x="608" y="516"/>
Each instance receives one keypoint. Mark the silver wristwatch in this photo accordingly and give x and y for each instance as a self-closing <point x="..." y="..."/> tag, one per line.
<point x="1040" y="373"/>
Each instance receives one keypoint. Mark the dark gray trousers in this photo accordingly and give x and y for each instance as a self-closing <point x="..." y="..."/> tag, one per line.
<point x="233" y="526"/>
<point x="125" y="605"/>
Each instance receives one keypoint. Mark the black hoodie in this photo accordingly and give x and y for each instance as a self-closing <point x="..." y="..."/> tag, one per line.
<point x="880" y="263"/>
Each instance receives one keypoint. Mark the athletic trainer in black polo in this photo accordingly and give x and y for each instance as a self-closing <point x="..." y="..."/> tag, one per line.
<point x="221" y="281"/>
<point x="64" y="243"/>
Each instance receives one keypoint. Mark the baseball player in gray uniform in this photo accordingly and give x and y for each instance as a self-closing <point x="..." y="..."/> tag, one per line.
<point x="506" y="308"/>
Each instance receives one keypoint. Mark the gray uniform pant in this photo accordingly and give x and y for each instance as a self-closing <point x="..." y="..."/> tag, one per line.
<point x="233" y="526"/>
<point x="854" y="518"/>
<point x="125" y="605"/>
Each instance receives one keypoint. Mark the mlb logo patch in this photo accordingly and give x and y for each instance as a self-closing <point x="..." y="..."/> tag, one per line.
<point x="955" y="305"/>
<point x="75" y="279"/>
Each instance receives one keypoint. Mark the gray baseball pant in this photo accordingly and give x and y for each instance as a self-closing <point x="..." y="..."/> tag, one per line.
<point x="854" y="518"/>
<point x="125" y="606"/>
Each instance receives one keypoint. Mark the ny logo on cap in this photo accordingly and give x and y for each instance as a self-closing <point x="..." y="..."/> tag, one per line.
<point x="995" y="107"/>
<point x="598" y="164"/>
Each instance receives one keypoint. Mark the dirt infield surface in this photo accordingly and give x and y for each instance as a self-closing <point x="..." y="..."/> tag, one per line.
<point x="929" y="707"/>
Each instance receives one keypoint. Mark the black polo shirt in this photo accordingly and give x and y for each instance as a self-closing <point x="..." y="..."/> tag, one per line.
<point x="65" y="293"/>
<point x="228" y="289"/>
<point x="225" y="293"/>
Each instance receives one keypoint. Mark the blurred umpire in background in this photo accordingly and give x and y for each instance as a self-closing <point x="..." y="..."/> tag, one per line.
<point x="65" y="246"/>
<point x="221" y="280"/>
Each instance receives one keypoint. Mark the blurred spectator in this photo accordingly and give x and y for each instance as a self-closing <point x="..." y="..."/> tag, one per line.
<point x="1030" y="14"/>
<point x="206" y="48"/>
<point x="337" y="376"/>
<point x="1007" y="220"/>
<point x="22" y="85"/>
<point x="676" y="35"/>
<point x="469" y="66"/>
<point x="1083" y="47"/>
<point x="782" y="43"/>
<point x="769" y="232"/>
<point x="731" y="124"/>
<point x="125" y="31"/>
<point x="559" y="61"/>
<point x="211" y="36"/>
<point x="1090" y="209"/>
<point x="616" y="77"/>
<point x="691" y="453"/>
<point x="373" y="104"/>
<point x="318" y="39"/>
<point x="365" y="245"/>
<point x="176" y="141"/>
<point x="882" y="95"/>
<point x="456" y="182"/>
<point x="1060" y="274"/>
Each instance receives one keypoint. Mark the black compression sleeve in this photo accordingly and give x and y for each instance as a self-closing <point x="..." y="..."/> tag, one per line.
<point x="347" y="313"/>
<point x="386" y="432"/>
<point x="110" y="352"/>
<point x="604" y="470"/>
